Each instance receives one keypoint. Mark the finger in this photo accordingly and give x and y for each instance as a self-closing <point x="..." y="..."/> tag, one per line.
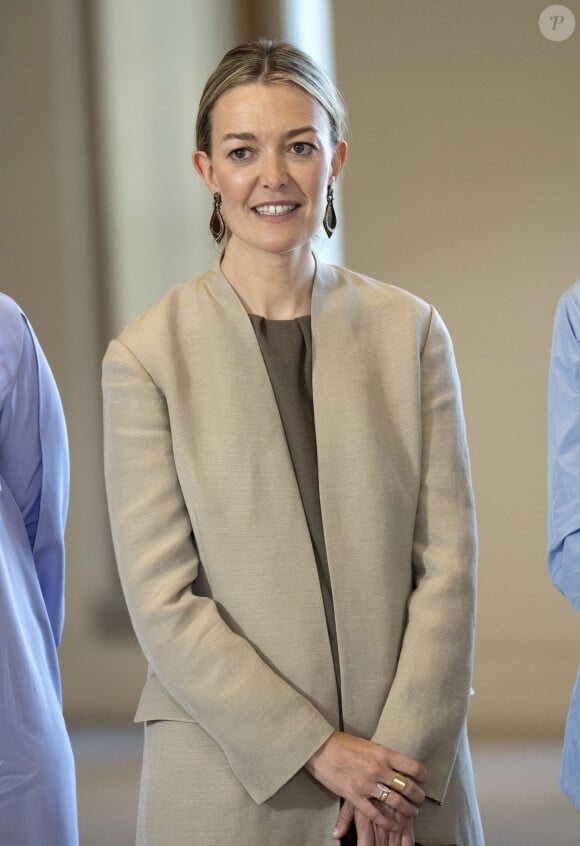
<point x="399" y="785"/>
<point x="405" y="836"/>
<point x="408" y="835"/>
<point x="408" y="788"/>
<point x="396" y="802"/>
<point x="391" y="802"/>
<point x="394" y="838"/>
<point x="365" y="838"/>
<point x="385" y="838"/>
<point x="343" y="821"/>
<point x="365" y="831"/>
<point x="398" y="822"/>
<point x="408" y="766"/>
<point x="375" y="812"/>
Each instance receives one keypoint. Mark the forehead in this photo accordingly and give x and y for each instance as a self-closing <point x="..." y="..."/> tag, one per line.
<point x="259" y="107"/>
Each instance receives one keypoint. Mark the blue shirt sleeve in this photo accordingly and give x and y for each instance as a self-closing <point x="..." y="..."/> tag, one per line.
<point x="564" y="448"/>
<point x="34" y="462"/>
<point x="20" y="450"/>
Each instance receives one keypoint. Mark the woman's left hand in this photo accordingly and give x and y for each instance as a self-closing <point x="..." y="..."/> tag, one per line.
<point x="368" y="834"/>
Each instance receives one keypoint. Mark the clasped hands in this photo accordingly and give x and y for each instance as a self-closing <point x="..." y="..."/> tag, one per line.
<point x="352" y="767"/>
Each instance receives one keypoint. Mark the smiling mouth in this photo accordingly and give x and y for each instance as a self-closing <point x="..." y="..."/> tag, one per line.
<point x="274" y="210"/>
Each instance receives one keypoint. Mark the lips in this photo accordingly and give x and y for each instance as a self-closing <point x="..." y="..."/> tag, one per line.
<point x="275" y="209"/>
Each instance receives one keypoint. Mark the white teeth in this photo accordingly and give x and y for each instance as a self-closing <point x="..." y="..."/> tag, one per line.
<point x="274" y="210"/>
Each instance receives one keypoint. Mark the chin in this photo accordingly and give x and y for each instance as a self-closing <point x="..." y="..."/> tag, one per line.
<point x="287" y="244"/>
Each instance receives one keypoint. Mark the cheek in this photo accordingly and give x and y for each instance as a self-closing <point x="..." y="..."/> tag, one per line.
<point x="319" y="181"/>
<point x="232" y="187"/>
<point x="319" y="186"/>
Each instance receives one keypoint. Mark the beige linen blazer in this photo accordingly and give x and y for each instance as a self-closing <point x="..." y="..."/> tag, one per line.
<point x="217" y="564"/>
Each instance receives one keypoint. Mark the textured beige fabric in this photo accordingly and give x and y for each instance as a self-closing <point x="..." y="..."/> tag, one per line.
<point x="218" y="570"/>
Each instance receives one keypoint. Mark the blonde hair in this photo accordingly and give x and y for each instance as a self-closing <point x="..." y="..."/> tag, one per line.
<point x="270" y="63"/>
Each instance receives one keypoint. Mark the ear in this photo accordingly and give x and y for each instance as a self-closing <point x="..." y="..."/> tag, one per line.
<point x="202" y="164"/>
<point x="338" y="158"/>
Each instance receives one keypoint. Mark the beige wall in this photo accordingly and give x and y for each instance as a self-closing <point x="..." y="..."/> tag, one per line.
<point x="462" y="186"/>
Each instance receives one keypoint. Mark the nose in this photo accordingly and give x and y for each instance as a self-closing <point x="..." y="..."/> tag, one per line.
<point x="274" y="172"/>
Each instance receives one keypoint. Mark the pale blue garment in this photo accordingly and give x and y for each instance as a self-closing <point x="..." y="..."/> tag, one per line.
<point x="564" y="496"/>
<point x="37" y="779"/>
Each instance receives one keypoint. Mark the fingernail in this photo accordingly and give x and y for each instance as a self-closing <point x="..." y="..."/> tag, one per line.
<point x="335" y="833"/>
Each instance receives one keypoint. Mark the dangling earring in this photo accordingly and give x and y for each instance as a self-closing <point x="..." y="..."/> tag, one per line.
<point x="217" y="225"/>
<point x="329" y="219"/>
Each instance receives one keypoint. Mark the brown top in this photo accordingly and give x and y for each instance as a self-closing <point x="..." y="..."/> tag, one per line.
<point x="286" y="347"/>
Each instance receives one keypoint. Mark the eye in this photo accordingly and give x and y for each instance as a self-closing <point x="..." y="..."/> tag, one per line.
<point x="302" y="148"/>
<point x="240" y="154"/>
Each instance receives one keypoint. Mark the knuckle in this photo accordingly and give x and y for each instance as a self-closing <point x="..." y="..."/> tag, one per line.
<point x="402" y="807"/>
<point x="380" y="819"/>
<point x="375" y="769"/>
<point x="414" y="769"/>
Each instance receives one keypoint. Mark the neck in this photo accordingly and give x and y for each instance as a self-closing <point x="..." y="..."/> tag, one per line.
<point x="272" y="285"/>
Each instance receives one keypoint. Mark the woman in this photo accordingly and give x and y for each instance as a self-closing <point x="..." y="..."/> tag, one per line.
<point x="289" y="493"/>
<point x="564" y="497"/>
<point x="37" y="780"/>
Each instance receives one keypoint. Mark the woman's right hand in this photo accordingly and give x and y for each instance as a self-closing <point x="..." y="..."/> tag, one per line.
<point x="351" y="767"/>
<point x="368" y="834"/>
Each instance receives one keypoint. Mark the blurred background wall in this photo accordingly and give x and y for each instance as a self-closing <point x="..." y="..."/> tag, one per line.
<point x="463" y="186"/>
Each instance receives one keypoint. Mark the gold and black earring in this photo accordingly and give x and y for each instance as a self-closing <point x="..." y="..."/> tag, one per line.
<point x="217" y="224"/>
<point x="329" y="219"/>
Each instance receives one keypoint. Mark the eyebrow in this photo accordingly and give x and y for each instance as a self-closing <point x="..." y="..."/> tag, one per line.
<point x="249" y="136"/>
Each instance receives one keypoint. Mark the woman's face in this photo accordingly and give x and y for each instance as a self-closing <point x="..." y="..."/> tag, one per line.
<point x="271" y="160"/>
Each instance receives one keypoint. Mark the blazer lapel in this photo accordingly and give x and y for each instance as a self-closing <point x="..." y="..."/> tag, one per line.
<point x="263" y="498"/>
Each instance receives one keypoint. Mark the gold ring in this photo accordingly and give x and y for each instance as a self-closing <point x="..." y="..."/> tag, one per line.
<point x="383" y="791"/>
<point x="398" y="783"/>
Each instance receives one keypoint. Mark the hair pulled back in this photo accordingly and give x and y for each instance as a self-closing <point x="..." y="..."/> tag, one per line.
<point x="270" y="63"/>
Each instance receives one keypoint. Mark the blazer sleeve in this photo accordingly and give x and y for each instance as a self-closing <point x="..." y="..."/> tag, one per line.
<point x="426" y="708"/>
<point x="266" y="729"/>
<point x="564" y="449"/>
